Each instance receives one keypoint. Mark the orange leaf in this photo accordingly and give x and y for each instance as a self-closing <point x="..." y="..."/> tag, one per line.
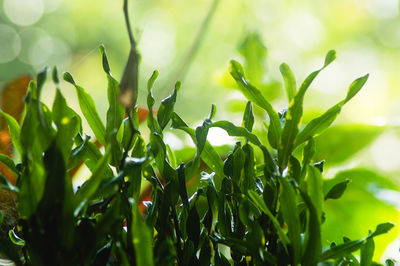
<point x="11" y="102"/>
<point x="11" y="98"/>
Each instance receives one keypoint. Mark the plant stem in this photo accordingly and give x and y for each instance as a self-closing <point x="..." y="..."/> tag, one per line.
<point x="128" y="26"/>
<point x="130" y="79"/>
<point x="129" y="82"/>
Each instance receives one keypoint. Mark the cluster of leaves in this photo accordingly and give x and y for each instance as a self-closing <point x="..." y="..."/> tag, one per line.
<point x="246" y="211"/>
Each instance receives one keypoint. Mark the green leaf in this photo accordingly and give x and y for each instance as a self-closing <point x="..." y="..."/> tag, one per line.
<point x="220" y="259"/>
<point x="139" y="148"/>
<point x="341" y="250"/>
<point x="193" y="226"/>
<point x="248" y="117"/>
<point x="32" y="183"/>
<point x="254" y="52"/>
<point x="367" y="252"/>
<point x="308" y="154"/>
<point x="314" y="189"/>
<point x="254" y="95"/>
<point x="61" y="110"/>
<point x="337" y="190"/>
<point x="317" y="125"/>
<point x="87" y="152"/>
<point x="152" y="80"/>
<point x="313" y="245"/>
<point x="133" y="169"/>
<point x="390" y="262"/>
<point x="289" y="80"/>
<point x="369" y="189"/>
<point x="115" y="112"/>
<point x="294" y="168"/>
<point x="351" y="246"/>
<point x="249" y="168"/>
<point x="171" y="156"/>
<point x="159" y="151"/>
<point x="68" y="124"/>
<point x="166" y="109"/>
<point x="236" y="131"/>
<point x="209" y="155"/>
<point x="201" y="136"/>
<point x="291" y="217"/>
<point x="7" y="161"/>
<point x="4" y="184"/>
<point x="233" y="130"/>
<point x="54" y="76"/>
<point x="152" y="124"/>
<point x="182" y="185"/>
<point x="294" y="115"/>
<point x="258" y="201"/>
<point x="212" y="112"/>
<point x="16" y="239"/>
<point x="41" y="79"/>
<point x="89" y="110"/>
<point x="127" y="135"/>
<point x="234" y="164"/>
<point x="106" y="66"/>
<point x="55" y="205"/>
<point x="89" y="188"/>
<point x="37" y="122"/>
<point x="15" y="131"/>
<point x="142" y="239"/>
<point x="355" y="87"/>
<point x="381" y="229"/>
<point x="355" y="137"/>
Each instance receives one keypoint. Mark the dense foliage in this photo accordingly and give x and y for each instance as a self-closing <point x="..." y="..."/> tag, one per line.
<point x="247" y="210"/>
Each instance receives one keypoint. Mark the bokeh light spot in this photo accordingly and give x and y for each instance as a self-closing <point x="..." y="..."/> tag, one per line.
<point x="23" y="12"/>
<point x="304" y="30"/>
<point x="383" y="9"/>
<point x="51" y="5"/>
<point x="10" y="44"/>
<point x="218" y="137"/>
<point x="173" y="141"/>
<point x="37" y="46"/>
<point x="385" y="152"/>
<point x="41" y="51"/>
<point x="157" y="44"/>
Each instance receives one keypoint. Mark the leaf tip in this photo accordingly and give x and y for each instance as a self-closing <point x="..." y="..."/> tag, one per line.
<point x="178" y="85"/>
<point x="68" y="78"/>
<point x="101" y="48"/>
<point x="330" y="57"/>
<point x="106" y="66"/>
<point x="55" y="76"/>
<point x="283" y="67"/>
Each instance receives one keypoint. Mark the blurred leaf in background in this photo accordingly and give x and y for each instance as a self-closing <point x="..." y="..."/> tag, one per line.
<point x="342" y="142"/>
<point x="368" y="197"/>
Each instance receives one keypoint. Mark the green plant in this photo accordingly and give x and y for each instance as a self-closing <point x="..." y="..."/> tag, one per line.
<point x="248" y="209"/>
<point x="261" y="205"/>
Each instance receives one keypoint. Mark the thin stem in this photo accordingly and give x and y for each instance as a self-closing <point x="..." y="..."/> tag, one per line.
<point x="128" y="26"/>
<point x="127" y="110"/>
<point x="183" y="68"/>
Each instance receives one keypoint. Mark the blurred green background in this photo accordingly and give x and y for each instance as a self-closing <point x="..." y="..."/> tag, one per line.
<point x="261" y="34"/>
